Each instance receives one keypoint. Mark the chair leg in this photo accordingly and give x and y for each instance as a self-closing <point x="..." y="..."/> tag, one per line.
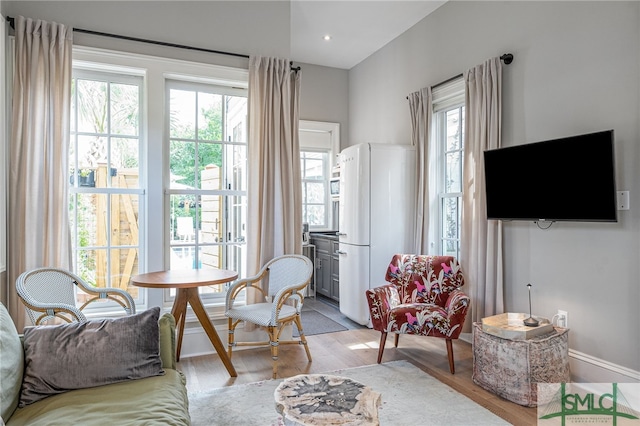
<point x="273" y="342"/>
<point x="383" y="340"/>
<point x="231" y="337"/>
<point x="452" y="368"/>
<point x="303" y="340"/>
<point x="397" y="339"/>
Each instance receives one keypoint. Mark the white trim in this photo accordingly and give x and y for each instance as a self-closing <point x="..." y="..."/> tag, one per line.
<point x="589" y="369"/>
<point x="175" y="68"/>
<point x="324" y="127"/>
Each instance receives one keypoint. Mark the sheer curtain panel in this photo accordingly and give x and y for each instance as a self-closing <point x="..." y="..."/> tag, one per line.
<point x="481" y="240"/>
<point x="274" y="225"/>
<point x="420" y="107"/>
<point x="37" y="222"/>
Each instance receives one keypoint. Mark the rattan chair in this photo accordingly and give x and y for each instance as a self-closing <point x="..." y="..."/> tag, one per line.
<point x="48" y="293"/>
<point x="287" y="277"/>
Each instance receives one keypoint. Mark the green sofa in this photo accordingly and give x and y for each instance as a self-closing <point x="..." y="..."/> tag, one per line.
<point x="157" y="400"/>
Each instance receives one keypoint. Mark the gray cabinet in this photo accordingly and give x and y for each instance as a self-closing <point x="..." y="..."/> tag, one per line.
<point x="327" y="273"/>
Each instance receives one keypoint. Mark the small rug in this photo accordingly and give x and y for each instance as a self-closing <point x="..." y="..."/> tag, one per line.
<point x="313" y="322"/>
<point x="409" y="397"/>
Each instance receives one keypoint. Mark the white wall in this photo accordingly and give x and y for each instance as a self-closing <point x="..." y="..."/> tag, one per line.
<point x="244" y="27"/>
<point x="576" y="70"/>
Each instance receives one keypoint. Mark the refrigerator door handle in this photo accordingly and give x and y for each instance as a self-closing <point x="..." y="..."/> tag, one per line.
<point x="341" y="252"/>
<point x="341" y="234"/>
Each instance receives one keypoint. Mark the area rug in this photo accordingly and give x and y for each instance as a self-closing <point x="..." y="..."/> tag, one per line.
<point x="313" y="322"/>
<point x="409" y="397"/>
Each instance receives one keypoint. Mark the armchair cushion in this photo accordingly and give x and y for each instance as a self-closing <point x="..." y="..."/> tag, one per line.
<point x="82" y="355"/>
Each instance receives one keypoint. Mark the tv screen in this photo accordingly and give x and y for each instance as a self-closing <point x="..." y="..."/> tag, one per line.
<point x="568" y="179"/>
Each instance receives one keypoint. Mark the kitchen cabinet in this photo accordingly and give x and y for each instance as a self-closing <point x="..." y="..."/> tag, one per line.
<point x="327" y="269"/>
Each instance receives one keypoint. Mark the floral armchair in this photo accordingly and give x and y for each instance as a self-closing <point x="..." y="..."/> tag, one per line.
<point x="423" y="298"/>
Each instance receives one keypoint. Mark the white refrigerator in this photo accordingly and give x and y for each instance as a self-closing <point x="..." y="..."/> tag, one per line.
<point x="377" y="205"/>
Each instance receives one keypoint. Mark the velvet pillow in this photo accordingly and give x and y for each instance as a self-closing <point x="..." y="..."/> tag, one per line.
<point x="87" y="354"/>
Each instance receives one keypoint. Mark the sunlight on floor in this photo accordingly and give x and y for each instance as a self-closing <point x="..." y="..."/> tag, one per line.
<point x="366" y="345"/>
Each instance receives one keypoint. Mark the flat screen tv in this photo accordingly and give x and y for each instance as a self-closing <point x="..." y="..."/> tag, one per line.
<point x="568" y="179"/>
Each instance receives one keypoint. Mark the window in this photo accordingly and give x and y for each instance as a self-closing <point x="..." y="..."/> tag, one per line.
<point x="105" y="191"/>
<point x="448" y="105"/>
<point x="119" y="140"/>
<point x="319" y="147"/>
<point x="207" y="127"/>
<point x="314" y="166"/>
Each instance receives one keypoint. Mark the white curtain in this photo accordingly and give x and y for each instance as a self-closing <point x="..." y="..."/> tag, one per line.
<point x="274" y="225"/>
<point x="481" y="245"/>
<point x="420" y="107"/>
<point x="37" y="222"/>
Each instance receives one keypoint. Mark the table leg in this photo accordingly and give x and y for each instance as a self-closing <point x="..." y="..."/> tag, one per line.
<point x="196" y="304"/>
<point x="179" y="312"/>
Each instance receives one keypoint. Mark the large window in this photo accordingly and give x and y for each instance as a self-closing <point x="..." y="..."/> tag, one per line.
<point x="207" y="127"/>
<point x="105" y="190"/>
<point x="449" y="118"/>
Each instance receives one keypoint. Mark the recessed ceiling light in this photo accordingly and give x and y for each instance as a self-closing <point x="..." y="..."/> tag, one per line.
<point x="326" y="37"/>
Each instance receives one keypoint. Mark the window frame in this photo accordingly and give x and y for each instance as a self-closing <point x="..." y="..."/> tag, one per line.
<point x="177" y="82"/>
<point x="115" y="75"/>
<point x="155" y="70"/>
<point x="332" y="146"/>
<point x="445" y="98"/>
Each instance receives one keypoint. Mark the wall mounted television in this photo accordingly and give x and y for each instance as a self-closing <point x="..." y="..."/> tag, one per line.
<point x="568" y="179"/>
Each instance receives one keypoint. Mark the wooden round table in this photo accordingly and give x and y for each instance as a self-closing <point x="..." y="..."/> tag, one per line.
<point x="186" y="283"/>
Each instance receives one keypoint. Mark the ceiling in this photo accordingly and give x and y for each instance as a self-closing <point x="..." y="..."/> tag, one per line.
<point x="357" y="28"/>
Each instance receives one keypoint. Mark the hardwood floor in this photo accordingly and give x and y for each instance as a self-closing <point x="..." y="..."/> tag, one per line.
<point x="354" y="348"/>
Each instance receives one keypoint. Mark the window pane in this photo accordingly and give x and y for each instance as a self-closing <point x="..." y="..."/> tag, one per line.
<point x="209" y="117"/>
<point x="453" y="172"/>
<point x="237" y="220"/>
<point x="182" y="114"/>
<point x="124" y="109"/>
<point x="182" y="164"/>
<point x="450" y="219"/>
<point x="91" y="226"/>
<point x="123" y="265"/>
<point x="124" y="225"/>
<point x="315" y="215"/>
<point x="92" y="106"/>
<point x="210" y="161"/>
<point x="315" y="192"/>
<point x="236" y="172"/>
<point x="453" y="130"/>
<point x="451" y="248"/>
<point x="212" y="219"/>
<point x="313" y="169"/>
<point x="125" y="153"/>
<point x="92" y="150"/>
<point x="236" y="118"/>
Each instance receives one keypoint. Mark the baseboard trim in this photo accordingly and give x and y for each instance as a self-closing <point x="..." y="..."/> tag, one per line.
<point x="589" y="369"/>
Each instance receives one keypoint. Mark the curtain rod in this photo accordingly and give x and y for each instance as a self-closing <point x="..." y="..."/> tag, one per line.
<point x="507" y="58"/>
<point x="158" y="43"/>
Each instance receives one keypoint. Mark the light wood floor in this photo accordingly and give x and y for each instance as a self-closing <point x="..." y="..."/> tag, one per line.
<point x="354" y="348"/>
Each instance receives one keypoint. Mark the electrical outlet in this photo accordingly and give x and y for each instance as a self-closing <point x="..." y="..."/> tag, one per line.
<point x="563" y="319"/>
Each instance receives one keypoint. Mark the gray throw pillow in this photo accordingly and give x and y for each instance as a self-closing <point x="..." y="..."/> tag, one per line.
<point x="87" y="354"/>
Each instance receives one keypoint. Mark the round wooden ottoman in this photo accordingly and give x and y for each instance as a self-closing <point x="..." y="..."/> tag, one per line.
<point x="320" y="399"/>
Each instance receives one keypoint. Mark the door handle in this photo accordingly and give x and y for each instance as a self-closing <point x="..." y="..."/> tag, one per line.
<point x="341" y="252"/>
